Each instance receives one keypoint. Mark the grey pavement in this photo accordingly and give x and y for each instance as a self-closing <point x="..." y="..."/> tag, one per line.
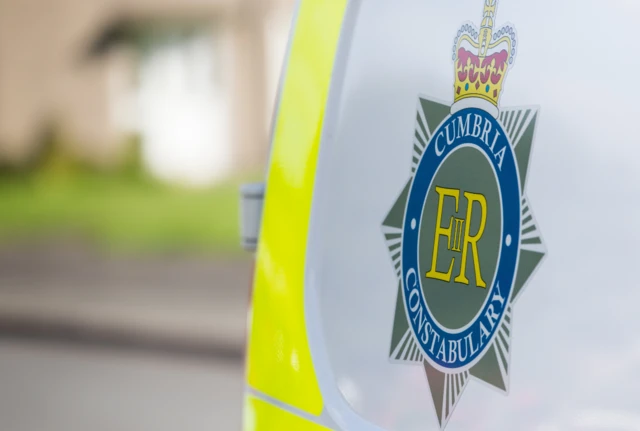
<point x="193" y="304"/>
<point x="70" y="388"/>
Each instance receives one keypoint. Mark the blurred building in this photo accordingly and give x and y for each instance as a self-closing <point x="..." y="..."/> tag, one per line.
<point x="196" y="79"/>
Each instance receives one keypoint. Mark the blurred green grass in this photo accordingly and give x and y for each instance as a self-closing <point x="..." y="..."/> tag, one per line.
<point x="122" y="214"/>
<point x="124" y="211"/>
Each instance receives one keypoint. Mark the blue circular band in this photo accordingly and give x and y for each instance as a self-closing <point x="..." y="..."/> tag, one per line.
<point x="443" y="347"/>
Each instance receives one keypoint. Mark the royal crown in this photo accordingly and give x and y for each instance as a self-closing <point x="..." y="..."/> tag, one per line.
<point x="482" y="58"/>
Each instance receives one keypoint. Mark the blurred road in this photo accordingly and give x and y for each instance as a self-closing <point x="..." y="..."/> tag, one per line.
<point x="90" y="341"/>
<point x="67" y="388"/>
<point x="167" y="302"/>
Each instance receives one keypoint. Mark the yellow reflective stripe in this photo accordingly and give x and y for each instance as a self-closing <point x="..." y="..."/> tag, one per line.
<point x="260" y="415"/>
<point x="279" y="361"/>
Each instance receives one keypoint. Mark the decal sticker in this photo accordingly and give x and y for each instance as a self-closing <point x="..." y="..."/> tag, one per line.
<point x="462" y="235"/>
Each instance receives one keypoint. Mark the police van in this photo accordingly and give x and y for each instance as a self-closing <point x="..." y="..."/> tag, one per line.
<point x="448" y="232"/>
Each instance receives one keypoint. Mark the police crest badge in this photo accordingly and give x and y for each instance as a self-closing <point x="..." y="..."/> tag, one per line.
<point x="462" y="236"/>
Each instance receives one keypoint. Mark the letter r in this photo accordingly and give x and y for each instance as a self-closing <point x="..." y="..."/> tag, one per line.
<point x="472" y="241"/>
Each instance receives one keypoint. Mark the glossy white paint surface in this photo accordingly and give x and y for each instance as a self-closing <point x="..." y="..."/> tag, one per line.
<point x="575" y="361"/>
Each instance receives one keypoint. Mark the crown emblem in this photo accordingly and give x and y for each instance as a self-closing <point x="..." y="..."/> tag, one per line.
<point x="482" y="58"/>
